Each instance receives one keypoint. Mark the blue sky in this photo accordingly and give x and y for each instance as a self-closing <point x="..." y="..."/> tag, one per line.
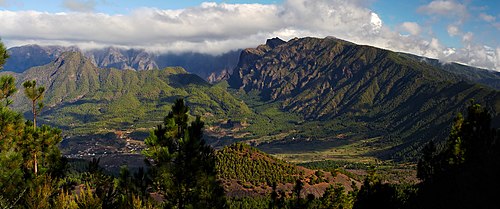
<point x="394" y="12"/>
<point x="120" y="6"/>
<point x="452" y="30"/>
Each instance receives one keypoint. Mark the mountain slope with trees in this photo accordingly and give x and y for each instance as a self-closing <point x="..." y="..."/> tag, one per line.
<point x="83" y="98"/>
<point x="374" y="92"/>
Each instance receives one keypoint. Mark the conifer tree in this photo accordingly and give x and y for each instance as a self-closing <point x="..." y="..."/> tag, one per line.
<point x="23" y="147"/>
<point x="468" y="159"/>
<point x="35" y="94"/>
<point x="184" y="166"/>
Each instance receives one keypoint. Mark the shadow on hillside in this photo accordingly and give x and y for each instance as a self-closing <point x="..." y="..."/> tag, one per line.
<point x="297" y="146"/>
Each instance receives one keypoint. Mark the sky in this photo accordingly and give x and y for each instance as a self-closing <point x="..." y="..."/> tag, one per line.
<point x="464" y="31"/>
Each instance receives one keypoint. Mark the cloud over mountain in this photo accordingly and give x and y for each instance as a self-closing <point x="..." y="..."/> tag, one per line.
<point x="219" y="27"/>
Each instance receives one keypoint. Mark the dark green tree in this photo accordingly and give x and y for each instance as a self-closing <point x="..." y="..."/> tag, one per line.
<point x="335" y="197"/>
<point x="426" y="166"/>
<point x="376" y="194"/>
<point x="142" y="181"/>
<point x="183" y="164"/>
<point x="24" y="149"/>
<point x="7" y="89"/>
<point x="297" y="190"/>
<point x="11" y="130"/>
<point x="464" y="172"/>
<point x="4" y="55"/>
<point x="274" y="196"/>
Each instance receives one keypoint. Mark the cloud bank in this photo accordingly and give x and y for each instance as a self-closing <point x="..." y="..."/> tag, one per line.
<point x="218" y="27"/>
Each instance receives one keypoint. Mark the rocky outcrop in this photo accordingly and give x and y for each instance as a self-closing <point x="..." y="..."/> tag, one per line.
<point x="122" y="59"/>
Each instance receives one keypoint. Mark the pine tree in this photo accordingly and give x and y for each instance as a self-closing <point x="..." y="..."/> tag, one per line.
<point x="23" y="146"/>
<point x="184" y="166"/>
<point x="4" y="55"/>
<point x="35" y="94"/>
<point x="468" y="159"/>
<point x="11" y="130"/>
<point x="7" y="89"/>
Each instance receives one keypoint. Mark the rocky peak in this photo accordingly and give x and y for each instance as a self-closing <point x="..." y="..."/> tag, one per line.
<point x="274" y="42"/>
<point x="25" y="57"/>
<point x="214" y="77"/>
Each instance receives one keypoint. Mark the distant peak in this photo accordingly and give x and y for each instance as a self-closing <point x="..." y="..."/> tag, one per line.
<point x="274" y="42"/>
<point x="70" y="56"/>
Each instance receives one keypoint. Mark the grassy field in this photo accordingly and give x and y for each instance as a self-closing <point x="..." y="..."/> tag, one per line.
<point x="318" y="150"/>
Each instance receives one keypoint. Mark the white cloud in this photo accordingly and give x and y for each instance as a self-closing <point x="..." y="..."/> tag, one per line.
<point x="490" y="19"/>
<point x="453" y="30"/>
<point x="476" y="55"/>
<point x="444" y="8"/>
<point x="79" y="5"/>
<point x="218" y="27"/>
<point x="497" y="64"/>
<point x="487" y="18"/>
<point x="411" y="27"/>
<point x="376" y="21"/>
<point x="467" y="37"/>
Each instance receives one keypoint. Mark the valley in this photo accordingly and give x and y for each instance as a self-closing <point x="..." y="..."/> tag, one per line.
<point x="348" y="102"/>
<point x="249" y="104"/>
<point x="308" y="113"/>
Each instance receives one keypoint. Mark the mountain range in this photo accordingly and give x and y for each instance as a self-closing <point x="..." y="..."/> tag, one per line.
<point x="354" y="90"/>
<point x="302" y="99"/>
<point x="24" y="57"/>
<point x="82" y="98"/>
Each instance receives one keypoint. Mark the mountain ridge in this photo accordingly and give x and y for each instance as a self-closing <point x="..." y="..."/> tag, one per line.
<point x="406" y="101"/>
<point x="281" y="96"/>
<point x="24" y="57"/>
<point x="79" y="94"/>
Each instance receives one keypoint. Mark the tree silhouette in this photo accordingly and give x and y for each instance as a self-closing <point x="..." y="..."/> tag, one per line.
<point x="297" y="189"/>
<point x="184" y="166"/>
<point x="464" y="172"/>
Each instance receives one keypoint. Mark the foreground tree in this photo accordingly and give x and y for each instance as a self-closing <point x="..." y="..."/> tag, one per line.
<point x="3" y="55"/>
<point x="22" y="146"/>
<point x="7" y="89"/>
<point x="464" y="172"/>
<point x="183" y="164"/>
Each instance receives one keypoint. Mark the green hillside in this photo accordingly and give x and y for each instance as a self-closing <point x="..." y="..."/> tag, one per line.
<point x="345" y="93"/>
<point x="247" y="164"/>
<point x="247" y="171"/>
<point x="303" y="100"/>
<point x="84" y="99"/>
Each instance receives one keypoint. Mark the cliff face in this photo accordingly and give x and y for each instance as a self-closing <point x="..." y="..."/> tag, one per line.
<point x="122" y="59"/>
